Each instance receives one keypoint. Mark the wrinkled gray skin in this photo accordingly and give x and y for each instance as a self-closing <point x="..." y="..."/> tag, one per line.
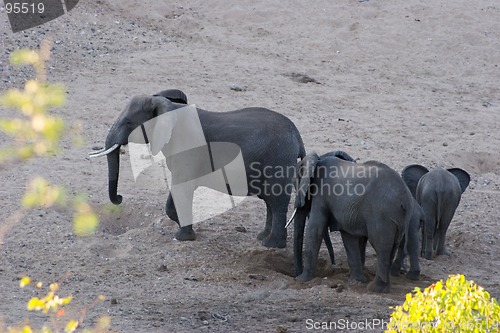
<point x="379" y="214"/>
<point x="410" y="245"/>
<point x="266" y="139"/>
<point x="438" y="192"/>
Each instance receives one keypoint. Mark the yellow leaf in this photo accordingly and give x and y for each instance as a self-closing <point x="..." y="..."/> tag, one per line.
<point x="66" y="300"/>
<point x="26" y="329"/>
<point x="35" y="304"/>
<point x="71" y="326"/>
<point x="24" y="282"/>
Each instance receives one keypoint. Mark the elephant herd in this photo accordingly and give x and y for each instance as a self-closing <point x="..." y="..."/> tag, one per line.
<point x="401" y="215"/>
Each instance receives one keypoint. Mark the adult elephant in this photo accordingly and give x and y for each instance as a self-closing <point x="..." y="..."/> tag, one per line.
<point x="364" y="201"/>
<point x="270" y="145"/>
<point x="438" y="192"/>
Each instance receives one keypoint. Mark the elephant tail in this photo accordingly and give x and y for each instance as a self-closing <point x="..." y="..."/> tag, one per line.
<point x="439" y="203"/>
<point x="305" y="171"/>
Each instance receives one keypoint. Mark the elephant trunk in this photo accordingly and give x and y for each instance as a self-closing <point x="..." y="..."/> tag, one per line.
<point x="298" y="239"/>
<point x="113" y="172"/>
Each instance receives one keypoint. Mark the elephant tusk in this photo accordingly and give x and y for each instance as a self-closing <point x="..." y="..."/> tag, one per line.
<point x="103" y="152"/>
<point x="291" y="218"/>
<point x="97" y="151"/>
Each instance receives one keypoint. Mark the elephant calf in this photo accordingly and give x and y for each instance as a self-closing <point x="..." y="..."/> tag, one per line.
<point x="410" y="245"/>
<point x="438" y="192"/>
<point x="364" y="201"/>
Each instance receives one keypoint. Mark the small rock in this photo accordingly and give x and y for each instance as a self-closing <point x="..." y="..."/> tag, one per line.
<point x="203" y="315"/>
<point x="162" y="268"/>
<point x="240" y="229"/>
<point x="205" y="322"/>
<point x="113" y="301"/>
<point x="445" y="144"/>
<point x="472" y="133"/>
<point x="237" y="87"/>
<point x="257" y="277"/>
<point x="281" y="329"/>
<point x="301" y="78"/>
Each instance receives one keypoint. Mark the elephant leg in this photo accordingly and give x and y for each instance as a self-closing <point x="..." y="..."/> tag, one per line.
<point x="429" y="231"/>
<point x="399" y="262"/>
<point x="329" y="245"/>
<point x="412" y="247"/>
<point x="354" y="257"/>
<point x="386" y="251"/>
<point x="269" y="222"/>
<point x="277" y="237"/>
<point x="184" y="233"/>
<point x="170" y="209"/>
<point x="362" y="249"/>
<point x="314" y="236"/>
<point x="278" y="208"/>
<point x="445" y="221"/>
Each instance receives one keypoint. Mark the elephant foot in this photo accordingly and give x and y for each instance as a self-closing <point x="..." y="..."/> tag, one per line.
<point x="395" y="270"/>
<point x="274" y="242"/>
<point x="443" y="253"/>
<point x="185" y="234"/>
<point x="358" y="276"/>
<point x="264" y="234"/>
<point x="428" y="256"/>
<point x="413" y="275"/>
<point x="378" y="286"/>
<point x="304" y="277"/>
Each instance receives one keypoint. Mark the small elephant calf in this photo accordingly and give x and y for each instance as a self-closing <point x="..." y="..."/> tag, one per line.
<point x="438" y="192"/>
<point x="410" y="245"/>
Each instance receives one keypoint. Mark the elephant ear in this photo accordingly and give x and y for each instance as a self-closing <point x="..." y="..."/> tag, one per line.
<point x="305" y="171"/>
<point x="411" y="176"/>
<point x="462" y="176"/>
<point x="339" y="154"/>
<point x="174" y="95"/>
<point x="162" y="124"/>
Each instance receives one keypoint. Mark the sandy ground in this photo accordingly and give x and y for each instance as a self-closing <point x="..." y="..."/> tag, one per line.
<point x="400" y="82"/>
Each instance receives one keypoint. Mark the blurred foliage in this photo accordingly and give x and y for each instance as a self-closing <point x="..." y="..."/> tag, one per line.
<point x="457" y="305"/>
<point x="36" y="133"/>
<point x="52" y="305"/>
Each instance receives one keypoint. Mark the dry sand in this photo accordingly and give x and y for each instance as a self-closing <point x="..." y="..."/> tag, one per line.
<point x="401" y="82"/>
